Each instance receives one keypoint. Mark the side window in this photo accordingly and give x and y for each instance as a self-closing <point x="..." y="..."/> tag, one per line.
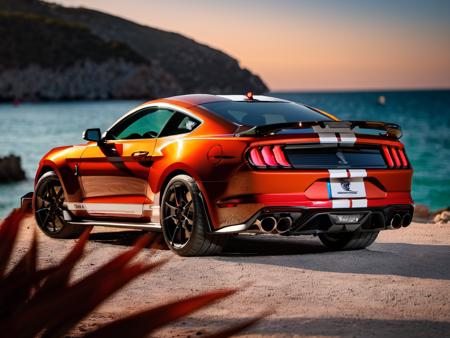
<point x="180" y="124"/>
<point x="146" y="123"/>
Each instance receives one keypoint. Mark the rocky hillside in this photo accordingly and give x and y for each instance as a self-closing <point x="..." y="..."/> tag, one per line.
<point x="52" y="52"/>
<point x="45" y="58"/>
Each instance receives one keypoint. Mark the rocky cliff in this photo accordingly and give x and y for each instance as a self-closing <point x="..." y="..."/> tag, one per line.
<point x="52" y="52"/>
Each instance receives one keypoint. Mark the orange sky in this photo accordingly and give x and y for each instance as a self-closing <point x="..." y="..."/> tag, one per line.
<point x="312" y="45"/>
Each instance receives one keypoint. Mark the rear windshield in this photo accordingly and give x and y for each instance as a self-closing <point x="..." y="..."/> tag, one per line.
<point x="254" y="113"/>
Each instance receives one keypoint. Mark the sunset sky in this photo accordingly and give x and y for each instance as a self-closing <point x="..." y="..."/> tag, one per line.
<point x="312" y="45"/>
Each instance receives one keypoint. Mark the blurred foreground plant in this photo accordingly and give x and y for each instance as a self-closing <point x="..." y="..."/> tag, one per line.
<point x="44" y="303"/>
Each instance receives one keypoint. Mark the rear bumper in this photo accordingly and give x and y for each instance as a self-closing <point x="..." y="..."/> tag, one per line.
<point x="312" y="221"/>
<point x="236" y="201"/>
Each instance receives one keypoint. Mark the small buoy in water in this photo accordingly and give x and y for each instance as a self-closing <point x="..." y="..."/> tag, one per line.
<point x="16" y="102"/>
<point x="381" y="100"/>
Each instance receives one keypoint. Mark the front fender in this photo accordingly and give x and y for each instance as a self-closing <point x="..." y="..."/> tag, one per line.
<point x="62" y="161"/>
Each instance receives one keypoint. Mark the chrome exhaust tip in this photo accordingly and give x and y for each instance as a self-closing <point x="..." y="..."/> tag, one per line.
<point x="284" y="225"/>
<point x="268" y="224"/>
<point x="396" y="221"/>
<point x="406" y="220"/>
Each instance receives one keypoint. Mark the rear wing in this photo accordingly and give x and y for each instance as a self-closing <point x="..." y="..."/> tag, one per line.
<point x="386" y="129"/>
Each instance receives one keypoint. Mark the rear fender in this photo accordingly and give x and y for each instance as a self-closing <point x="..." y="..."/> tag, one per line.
<point x="158" y="185"/>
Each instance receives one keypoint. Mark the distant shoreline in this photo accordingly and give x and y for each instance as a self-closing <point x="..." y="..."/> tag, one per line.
<point x="359" y="91"/>
<point x="287" y="92"/>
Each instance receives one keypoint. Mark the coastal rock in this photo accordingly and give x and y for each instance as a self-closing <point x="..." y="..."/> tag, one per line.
<point x="421" y="212"/>
<point x="442" y="217"/>
<point x="11" y="169"/>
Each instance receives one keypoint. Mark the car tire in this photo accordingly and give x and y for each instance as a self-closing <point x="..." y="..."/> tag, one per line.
<point x="49" y="206"/>
<point x="348" y="241"/>
<point x="184" y="220"/>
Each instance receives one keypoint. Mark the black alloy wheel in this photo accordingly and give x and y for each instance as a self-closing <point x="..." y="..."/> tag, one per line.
<point x="49" y="208"/>
<point x="179" y="214"/>
<point x="184" y="220"/>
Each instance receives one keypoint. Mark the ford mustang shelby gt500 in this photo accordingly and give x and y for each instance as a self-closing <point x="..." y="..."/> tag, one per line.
<point x="203" y="167"/>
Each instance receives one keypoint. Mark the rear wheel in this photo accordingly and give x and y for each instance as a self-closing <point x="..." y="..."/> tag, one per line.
<point x="349" y="240"/>
<point x="184" y="220"/>
<point x="49" y="208"/>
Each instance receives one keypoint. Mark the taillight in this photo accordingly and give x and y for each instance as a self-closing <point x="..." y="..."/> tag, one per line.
<point x="256" y="158"/>
<point x="395" y="157"/>
<point x="279" y="156"/>
<point x="403" y="157"/>
<point x="268" y="156"/>
<point x="388" y="157"/>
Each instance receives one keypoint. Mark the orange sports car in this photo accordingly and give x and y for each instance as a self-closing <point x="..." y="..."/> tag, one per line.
<point x="201" y="168"/>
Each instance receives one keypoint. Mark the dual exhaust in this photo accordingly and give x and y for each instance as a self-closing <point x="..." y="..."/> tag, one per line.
<point x="272" y="225"/>
<point x="398" y="221"/>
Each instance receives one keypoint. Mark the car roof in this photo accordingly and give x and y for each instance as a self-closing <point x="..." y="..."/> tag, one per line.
<point x="191" y="104"/>
<point x="199" y="99"/>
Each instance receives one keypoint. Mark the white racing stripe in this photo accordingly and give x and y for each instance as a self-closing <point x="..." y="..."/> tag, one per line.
<point x="349" y="203"/>
<point x="347" y="138"/>
<point x="344" y="173"/>
<point x="328" y="138"/>
<point x="336" y="204"/>
<point x="357" y="173"/>
<point x="110" y="208"/>
<point x="342" y="136"/>
<point x="359" y="203"/>
<point x="150" y="207"/>
<point x="338" y="173"/>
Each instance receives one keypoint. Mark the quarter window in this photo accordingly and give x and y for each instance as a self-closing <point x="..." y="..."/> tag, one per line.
<point x="180" y="124"/>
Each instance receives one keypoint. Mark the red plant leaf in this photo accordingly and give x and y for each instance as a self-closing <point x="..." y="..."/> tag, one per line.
<point x="93" y="295"/>
<point x="142" y="323"/>
<point x="16" y="287"/>
<point x="8" y="234"/>
<point x="60" y="277"/>
<point x="122" y="259"/>
<point x="80" y="298"/>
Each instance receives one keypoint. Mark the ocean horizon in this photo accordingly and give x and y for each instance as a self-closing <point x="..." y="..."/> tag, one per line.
<point x="30" y="129"/>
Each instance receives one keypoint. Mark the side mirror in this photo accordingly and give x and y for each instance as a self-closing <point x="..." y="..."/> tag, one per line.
<point x="92" y="134"/>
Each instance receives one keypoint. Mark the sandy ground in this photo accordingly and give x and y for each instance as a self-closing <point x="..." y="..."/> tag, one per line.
<point x="399" y="287"/>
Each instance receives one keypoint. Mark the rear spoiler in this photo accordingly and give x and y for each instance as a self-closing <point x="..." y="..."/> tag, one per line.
<point x="390" y="129"/>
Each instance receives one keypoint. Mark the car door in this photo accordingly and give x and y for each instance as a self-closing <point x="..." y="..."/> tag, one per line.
<point x="114" y="173"/>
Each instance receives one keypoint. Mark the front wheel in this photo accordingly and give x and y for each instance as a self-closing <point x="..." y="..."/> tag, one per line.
<point x="348" y="240"/>
<point x="184" y="221"/>
<point x="49" y="208"/>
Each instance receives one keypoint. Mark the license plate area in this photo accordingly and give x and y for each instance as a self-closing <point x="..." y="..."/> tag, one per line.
<point x="346" y="188"/>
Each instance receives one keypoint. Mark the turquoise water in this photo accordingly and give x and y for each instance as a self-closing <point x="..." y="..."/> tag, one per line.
<point x="31" y="129"/>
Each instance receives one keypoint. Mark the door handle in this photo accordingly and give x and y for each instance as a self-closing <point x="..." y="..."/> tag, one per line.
<point x="140" y="154"/>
